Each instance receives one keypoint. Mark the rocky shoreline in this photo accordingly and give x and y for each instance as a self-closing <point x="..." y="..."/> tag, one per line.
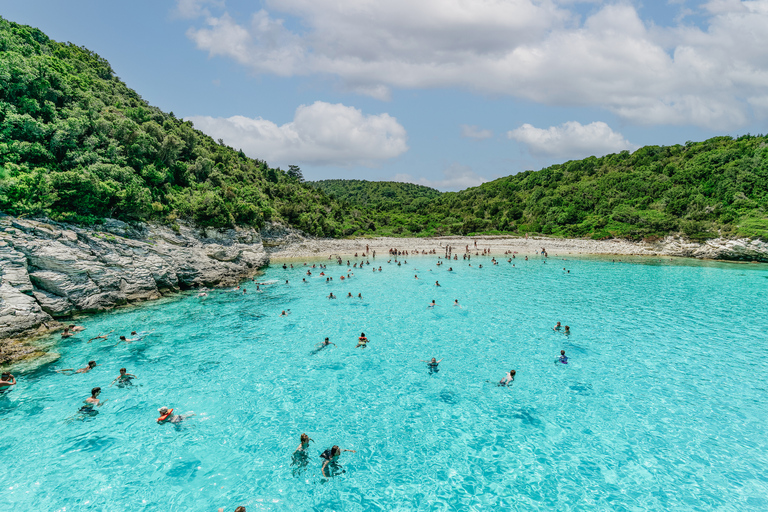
<point x="51" y="271"/>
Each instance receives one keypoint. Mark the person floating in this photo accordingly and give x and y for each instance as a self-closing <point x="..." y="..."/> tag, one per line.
<point x="456" y="302"/>
<point x="167" y="416"/>
<point x="331" y="457"/>
<point x="124" y="379"/>
<point x="563" y="358"/>
<point x="508" y="379"/>
<point x="86" y="369"/>
<point x="362" y="341"/>
<point x="432" y="365"/>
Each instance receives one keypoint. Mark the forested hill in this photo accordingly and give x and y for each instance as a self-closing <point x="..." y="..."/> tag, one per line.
<point x="76" y="144"/>
<point x="380" y="195"/>
<point x="718" y="187"/>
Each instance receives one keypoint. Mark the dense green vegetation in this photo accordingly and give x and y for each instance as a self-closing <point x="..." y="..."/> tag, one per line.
<point x="77" y="145"/>
<point x="379" y="195"/>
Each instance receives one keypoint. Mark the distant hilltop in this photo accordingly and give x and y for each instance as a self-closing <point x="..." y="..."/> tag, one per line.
<point x="77" y="145"/>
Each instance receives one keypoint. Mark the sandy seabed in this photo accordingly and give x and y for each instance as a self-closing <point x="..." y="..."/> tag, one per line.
<point x="498" y="245"/>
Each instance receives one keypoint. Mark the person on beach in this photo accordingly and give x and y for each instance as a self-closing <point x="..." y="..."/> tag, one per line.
<point x="563" y="358"/>
<point x="331" y="457"/>
<point x="557" y="327"/>
<point x="124" y="379"/>
<point x="432" y="365"/>
<point x="508" y="379"/>
<point x="6" y="381"/>
<point x="362" y="341"/>
<point x="86" y="369"/>
<point x="91" y="402"/>
<point x="167" y="416"/>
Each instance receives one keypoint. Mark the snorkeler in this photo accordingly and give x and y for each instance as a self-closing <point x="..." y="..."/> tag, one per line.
<point x="508" y="379"/>
<point x="557" y="327"/>
<point x="331" y="456"/>
<point x="563" y="358"/>
<point x="167" y="416"/>
<point x="432" y="365"/>
<point x="124" y="379"/>
<point x="362" y="341"/>
<point x="86" y="369"/>
<point x="6" y="381"/>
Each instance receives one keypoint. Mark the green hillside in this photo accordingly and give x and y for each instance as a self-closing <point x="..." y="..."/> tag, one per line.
<point x="379" y="195"/>
<point x="76" y="144"/>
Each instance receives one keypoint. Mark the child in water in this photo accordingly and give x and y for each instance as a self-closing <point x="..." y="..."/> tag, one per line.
<point x="563" y="358"/>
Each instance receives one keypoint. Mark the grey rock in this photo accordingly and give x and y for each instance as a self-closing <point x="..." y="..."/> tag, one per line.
<point x="55" y="270"/>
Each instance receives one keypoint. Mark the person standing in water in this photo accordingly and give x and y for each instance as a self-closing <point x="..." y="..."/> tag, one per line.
<point x="362" y="341"/>
<point x="508" y="379"/>
<point x="6" y="381"/>
<point x="557" y="327"/>
<point x="331" y="457"/>
<point x="305" y="439"/>
<point x="92" y="401"/>
<point x="124" y="379"/>
<point x="563" y="358"/>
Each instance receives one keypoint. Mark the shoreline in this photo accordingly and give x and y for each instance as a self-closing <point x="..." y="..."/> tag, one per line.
<point x="498" y="244"/>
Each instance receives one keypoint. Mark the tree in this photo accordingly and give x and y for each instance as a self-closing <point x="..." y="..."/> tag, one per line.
<point x="295" y="172"/>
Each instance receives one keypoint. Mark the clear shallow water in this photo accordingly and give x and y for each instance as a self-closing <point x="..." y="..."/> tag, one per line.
<point x="663" y="405"/>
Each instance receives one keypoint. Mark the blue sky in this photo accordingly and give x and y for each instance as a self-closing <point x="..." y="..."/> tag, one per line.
<point x="446" y="93"/>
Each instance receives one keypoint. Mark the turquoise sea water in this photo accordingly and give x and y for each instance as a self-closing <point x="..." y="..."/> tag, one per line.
<point x="663" y="404"/>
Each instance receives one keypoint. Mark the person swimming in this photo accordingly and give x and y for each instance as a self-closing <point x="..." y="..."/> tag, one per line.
<point x="433" y="304"/>
<point x="167" y="416"/>
<point x="124" y="379"/>
<point x="432" y="365"/>
<point x="332" y="296"/>
<point x="6" y="381"/>
<point x="331" y="457"/>
<point x="437" y="283"/>
<point x="508" y="379"/>
<point x="567" y="331"/>
<point x="563" y="358"/>
<point x="86" y="369"/>
<point x="362" y="341"/>
<point x="456" y="302"/>
<point x="557" y="327"/>
<point x="91" y="402"/>
<point x="305" y="439"/>
<point x="321" y="346"/>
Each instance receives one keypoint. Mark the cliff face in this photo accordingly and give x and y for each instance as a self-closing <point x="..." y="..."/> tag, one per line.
<point x="744" y="249"/>
<point x="50" y="270"/>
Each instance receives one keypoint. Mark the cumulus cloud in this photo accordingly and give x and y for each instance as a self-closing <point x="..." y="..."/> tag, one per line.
<point x="536" y="50"/>
<point x="320" y="134"/>
<point x="571" y="140"/>
<point x="195" y="8"/>
<point x="473" y="132"/>
<point x="455" y="177"/>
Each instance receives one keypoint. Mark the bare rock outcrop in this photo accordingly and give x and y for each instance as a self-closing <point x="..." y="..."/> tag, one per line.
<point x="50" y="270"/>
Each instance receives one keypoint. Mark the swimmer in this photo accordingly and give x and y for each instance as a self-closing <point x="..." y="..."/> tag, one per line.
<point x="508" y="379"/>
<point x="360" y="296"/>
<point x="567" y="331"/>
<point x="415" y="277"/>
<point x="238" y="509"/>
<point x="331" y="456"/>
<point x="432" y="365"/>
<point x="66" y="333"/>
<point x="349" y="295"/>
<point x="167" y="416"/>
<point x="433" y="304"/>
<point x="321" y="346"/>
<point x="92" y="401"/>
<point x="124" y="379"/>
<point x="283" y="313"/>
<point x="305" y="439"/>
<point x="331" y="296"/>
<point x="557" y="327"/>
<point x="76" y="328"/>
<point x="203" y="294"/>
<point x="101" y="336"/>
<point x="123" y="338"/>
<point x="437" y="283"/>
<point x="456" y="302"/>
<point x="450" y="269"/>
<point x="86" y="369"/>
<point x="362" y="341"/>
<point x="563" y="358"/>
<point x="6" y="381"/>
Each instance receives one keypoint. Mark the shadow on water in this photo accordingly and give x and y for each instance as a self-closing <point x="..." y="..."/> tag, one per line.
<point x="90" y="443"/>
<point x="449" y="397"/>
<point x="187" y="469"/>
<point x="527" y="418"/>
<point x="299" y="463"/>
<point x="208" y="366"/>
<point x="581" y="388"/>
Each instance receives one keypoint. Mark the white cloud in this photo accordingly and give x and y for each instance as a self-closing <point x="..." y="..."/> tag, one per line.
<point x="473" y="132"/>
<point x="455" y="177"/>
<point x="571" y="140"/>
<point x="539" y="50"/>
<point x="320" y="134"/>
<point x="195" y="8"/>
